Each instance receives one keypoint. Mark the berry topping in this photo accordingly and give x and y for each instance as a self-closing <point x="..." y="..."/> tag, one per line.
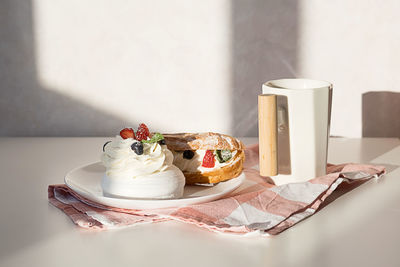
<point x="188" y="154"/>
<point x="162" y="142"/>
<point x="142" y="132"/>
<point x="127" y="133"/>
<point x="104" y="146"/>
<point x="137" y="147"/>
<point x="209" y="159"/>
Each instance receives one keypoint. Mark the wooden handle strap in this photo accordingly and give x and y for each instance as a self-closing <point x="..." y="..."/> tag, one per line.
<point x="267" y="134"/>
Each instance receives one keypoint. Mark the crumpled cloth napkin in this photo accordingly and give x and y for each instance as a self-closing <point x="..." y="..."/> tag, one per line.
<point x="256" y="207"/>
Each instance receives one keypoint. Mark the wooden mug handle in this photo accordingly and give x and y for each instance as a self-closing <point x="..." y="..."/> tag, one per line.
<point x="267" y="135"/>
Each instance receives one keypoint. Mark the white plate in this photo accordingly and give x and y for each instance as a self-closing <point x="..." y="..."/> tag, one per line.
<point x="86" y="181"/>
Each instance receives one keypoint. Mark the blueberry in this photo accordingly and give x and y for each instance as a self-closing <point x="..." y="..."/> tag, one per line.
<point x="162" y="142"/>
<point x="137" y="147"/>
<point x="188" y="154"/>
<point x="104" y="146"/>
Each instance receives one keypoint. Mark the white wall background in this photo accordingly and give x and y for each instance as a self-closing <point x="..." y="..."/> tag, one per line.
<point x="73" y="68"/>
<point x="356" y="45"/>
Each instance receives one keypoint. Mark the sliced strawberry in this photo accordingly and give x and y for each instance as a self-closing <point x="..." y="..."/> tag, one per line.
<point x="209" y="159"/>
<point x="142" y="132"/>
<point x="127" y="133"/>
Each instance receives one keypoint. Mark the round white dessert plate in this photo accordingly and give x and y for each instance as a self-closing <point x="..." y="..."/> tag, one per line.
<point x="86" y="181"/>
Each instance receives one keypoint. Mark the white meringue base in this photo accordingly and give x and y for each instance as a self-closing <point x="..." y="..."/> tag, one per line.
<point x="160" y="185"/>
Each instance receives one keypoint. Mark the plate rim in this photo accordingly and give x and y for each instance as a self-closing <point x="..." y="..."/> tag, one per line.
<point x="174" y="202"/>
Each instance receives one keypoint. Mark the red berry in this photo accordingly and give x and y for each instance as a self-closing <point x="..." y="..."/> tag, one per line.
<point x="209" y="159"/>
<point x="142" y="132"/>
<point x="127" y="133"/>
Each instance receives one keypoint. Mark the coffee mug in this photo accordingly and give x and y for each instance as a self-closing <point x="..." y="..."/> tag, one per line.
<point x="303" y="112"/>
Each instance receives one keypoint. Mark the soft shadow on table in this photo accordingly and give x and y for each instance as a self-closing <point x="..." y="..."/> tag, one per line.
<point x="345" y="188"/>
<point x="342" y="189"/>
<point x="389" y="167"/>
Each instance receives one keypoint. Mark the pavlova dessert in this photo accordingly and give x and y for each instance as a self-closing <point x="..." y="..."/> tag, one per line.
<point x="139" y="165"/>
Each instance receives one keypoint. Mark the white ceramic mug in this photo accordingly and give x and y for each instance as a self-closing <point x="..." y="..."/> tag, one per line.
<point x="303" y="119"/>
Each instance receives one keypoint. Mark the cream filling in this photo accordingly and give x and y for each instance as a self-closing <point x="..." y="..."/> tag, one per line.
<point x="194" y="164"/>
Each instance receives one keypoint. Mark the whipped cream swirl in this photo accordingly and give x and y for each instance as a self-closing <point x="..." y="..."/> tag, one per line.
<point x="122" y="162"/>
<point x="150" y="175"/>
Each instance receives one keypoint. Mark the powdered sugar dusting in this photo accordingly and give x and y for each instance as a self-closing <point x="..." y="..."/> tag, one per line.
<point x="195" y="141"/>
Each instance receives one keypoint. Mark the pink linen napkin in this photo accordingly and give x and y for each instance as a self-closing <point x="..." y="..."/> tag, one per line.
<point x="257" y="206"/>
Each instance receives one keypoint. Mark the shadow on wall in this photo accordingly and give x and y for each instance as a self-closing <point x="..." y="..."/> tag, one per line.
<point x="380" y="114"/>
<point x="20" y="85"/>
<point x="264" y="38"/>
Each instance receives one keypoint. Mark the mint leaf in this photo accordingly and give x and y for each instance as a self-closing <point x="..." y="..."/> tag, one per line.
<point x="154" y="139"/>
<point x="223" y="155"/>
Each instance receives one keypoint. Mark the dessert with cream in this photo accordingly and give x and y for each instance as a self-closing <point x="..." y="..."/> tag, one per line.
<point x="140" y="166"/>
<point x="206" y="158"/>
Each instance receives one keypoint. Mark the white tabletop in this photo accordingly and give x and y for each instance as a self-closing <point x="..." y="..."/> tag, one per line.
<point x="360" y="228"/>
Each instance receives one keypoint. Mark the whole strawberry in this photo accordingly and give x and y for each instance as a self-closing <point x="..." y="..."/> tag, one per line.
<point x="143" y="132"/>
